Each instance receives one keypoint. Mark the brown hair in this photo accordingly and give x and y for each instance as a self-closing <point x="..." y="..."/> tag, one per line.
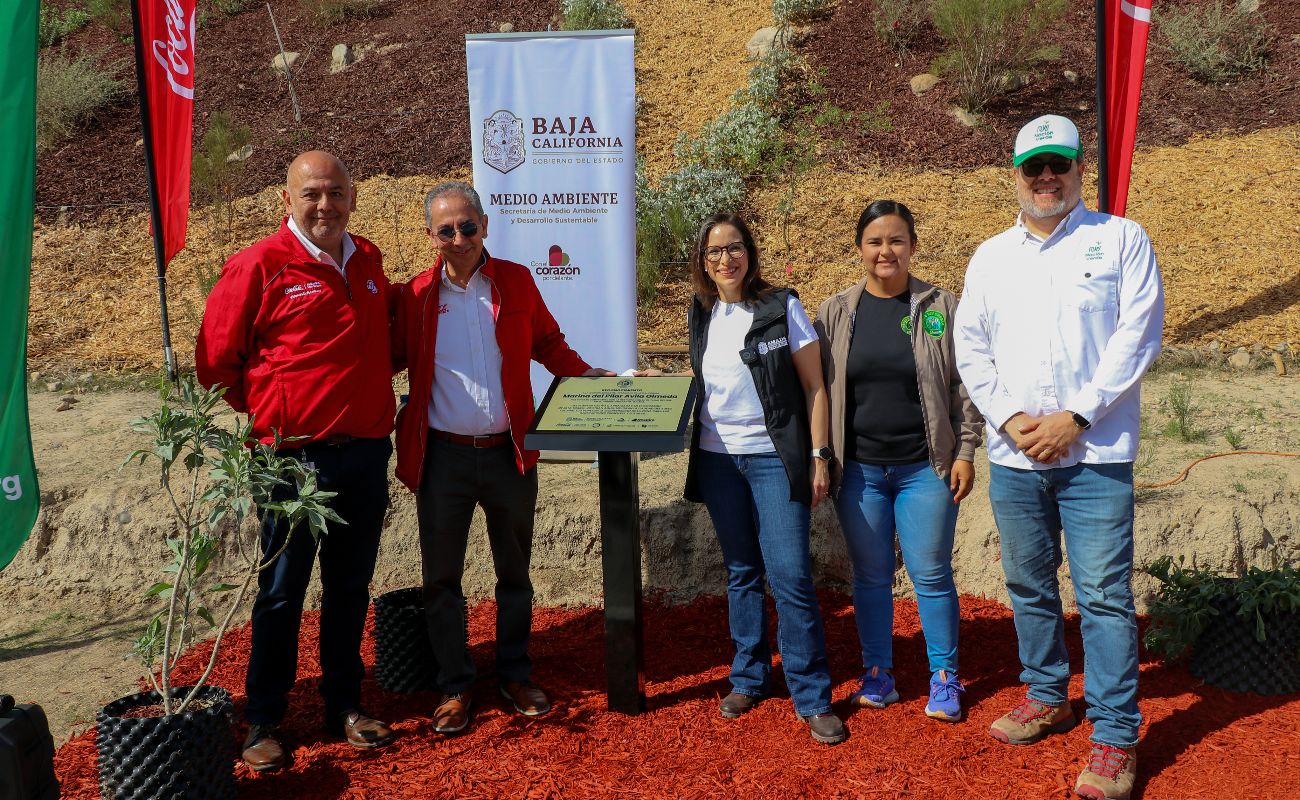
<point x="752" y="286"/>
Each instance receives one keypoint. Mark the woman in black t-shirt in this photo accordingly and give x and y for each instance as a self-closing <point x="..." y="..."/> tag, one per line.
<point x="904" y="433"/>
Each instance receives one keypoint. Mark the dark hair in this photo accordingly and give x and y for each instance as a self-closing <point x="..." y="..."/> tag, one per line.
<point x="752" y="286"/>
<point x="884" y="208"/>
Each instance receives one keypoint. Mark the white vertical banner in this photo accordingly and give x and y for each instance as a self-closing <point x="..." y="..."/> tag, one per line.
<point x="553" y="126"/>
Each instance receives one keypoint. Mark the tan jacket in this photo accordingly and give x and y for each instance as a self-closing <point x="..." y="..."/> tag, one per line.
<point x="952" y="424"/>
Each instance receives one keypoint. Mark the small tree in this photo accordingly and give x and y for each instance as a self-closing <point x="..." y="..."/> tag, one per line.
<point x="214" y="177"/>
<point x="989" y="39"/>
<point x="219" y="519"/>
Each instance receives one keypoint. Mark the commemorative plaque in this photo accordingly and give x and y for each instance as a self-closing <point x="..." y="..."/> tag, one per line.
<point x="618" y="418"/>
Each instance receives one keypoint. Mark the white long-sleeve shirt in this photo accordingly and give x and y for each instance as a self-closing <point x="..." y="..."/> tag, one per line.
<point x="1070" y="322"/>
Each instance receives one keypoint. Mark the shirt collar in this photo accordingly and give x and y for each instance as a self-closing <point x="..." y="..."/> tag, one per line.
<point x="1065" y="226"/>
<point x="478" y="271"/>
<point x="349" y="247"/>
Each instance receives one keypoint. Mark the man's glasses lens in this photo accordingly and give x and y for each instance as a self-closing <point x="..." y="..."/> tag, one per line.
<point x="735" y="250"/>
<point x="466" y="228"/>
<point x="1034" y="166"/>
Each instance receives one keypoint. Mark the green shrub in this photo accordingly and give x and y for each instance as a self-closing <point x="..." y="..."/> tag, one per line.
<point x="1182" y="409"/>
<point x="788" y="11"/>
<point x="746" y="139"/>
<point x="57" y="23"/>
<point x="593" y="15"/>
<point x="230" y="7"/>
<point x="897" y="22"/>
<point x="213" y="180"/>
<point x="328" y="12"/>
<point x="774" y="68"/>
<point x="989" y="39"/>
<point x="68" y="91"/>
<point x="115" y="14"/>
<point x="669" y="215"/>
<point x="1215" y="44"/>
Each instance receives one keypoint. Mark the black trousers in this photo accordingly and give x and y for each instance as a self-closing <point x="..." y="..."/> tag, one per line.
<point x="358" y="472"/>
<point x="457" y="478"/>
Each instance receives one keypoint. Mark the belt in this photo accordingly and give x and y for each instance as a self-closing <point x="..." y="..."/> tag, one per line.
<point x="486" y="440"/>
<point x="335" y="440"/>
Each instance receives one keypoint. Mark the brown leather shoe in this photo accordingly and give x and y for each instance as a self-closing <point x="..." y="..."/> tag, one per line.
<point x="735" y="704"/>
<point x="452" y="714"/>
<point x="527" y="698"/>
<point x="263" y="751"/>
<point x="363" y="731"/>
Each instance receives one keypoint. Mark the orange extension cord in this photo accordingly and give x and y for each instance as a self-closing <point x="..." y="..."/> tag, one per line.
<point x="1182" y="476"/>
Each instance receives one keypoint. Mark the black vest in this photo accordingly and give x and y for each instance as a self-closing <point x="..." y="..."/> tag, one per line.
<point x="785" y="412"/>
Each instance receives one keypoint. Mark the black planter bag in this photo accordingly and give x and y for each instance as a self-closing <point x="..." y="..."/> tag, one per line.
<point x="190" y="755"/>
<point x="1228" y="655"/>
<point x="404" y="659"/>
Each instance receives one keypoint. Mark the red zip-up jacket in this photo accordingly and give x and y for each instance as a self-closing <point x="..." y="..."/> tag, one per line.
<point x="302" y="351"/>
<point x="525" y="331"/>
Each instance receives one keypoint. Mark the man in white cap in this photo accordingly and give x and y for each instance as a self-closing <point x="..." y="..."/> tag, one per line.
<point x="1060" y="317"/>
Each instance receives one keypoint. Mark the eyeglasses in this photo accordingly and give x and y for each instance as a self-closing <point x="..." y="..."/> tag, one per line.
<point x="1059" y="165"/>
<point x="735" y="250"/>
<point x="468" y="229"/>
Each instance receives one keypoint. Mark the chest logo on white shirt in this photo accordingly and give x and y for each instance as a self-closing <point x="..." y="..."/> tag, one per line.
<point x="304" y="289"/>
<point x="776" y="344"/>
<point x="370" y="284"/>
<point x="443" y="308"/>
<point x="1094" y="253"/>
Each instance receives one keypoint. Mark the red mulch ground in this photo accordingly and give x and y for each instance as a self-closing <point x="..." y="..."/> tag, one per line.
<point x="1197" y="741"/>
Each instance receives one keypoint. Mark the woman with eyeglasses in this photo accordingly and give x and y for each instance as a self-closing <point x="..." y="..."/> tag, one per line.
<point x="905" y="432"/>
<point x="758" y="461"/>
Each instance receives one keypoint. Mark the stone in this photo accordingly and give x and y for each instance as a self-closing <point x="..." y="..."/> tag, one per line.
<point x="242" y="154"/>
<point x="54" y="386"/>
<point x="341" y="57"/>
<point x="64" y="406"/>
<point x="1248" y="6"/>
<point x="35" y="377"/>
<point x="1071" y="76"/>
<point x="284" y="62"/>
<point x="1240" y="360"/>
<point x="923" y="83"/>
<point x="965" y="117"/>
<point x="1216" y="345"/>
<point x="1278" y="363"/>
<point x="67" y="398"/>
<point x="124" y="517"/>
<point x="1009" y="82"/>
<point x="506" y="27"/>
<point x="762" y="41"/>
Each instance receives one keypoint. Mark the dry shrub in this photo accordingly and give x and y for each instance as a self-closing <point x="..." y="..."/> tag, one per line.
<point x="987" y="39"/>
<point x="1215" y="44"/>
<point x="68" y="91"/>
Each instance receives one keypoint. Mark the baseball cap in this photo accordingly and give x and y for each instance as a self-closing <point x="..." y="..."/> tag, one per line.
<point x="1050" y="133"/>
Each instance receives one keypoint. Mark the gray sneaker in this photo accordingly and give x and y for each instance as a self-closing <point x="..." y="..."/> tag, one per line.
<point x="1031" y="721"/>
<point x="826" y="728"/>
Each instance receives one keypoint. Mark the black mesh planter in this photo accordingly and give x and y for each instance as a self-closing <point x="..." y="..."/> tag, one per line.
<point x="190" y="755"/>
<point x="403" y="656"/>
<point x="1228" y="655"/>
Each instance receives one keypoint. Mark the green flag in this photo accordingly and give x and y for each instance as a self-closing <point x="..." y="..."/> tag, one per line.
<point x="19" y="495"/>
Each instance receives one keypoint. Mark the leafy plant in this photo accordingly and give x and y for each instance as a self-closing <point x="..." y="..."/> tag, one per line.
<point x="897" y="22"/>
<point x="788" y="11"/>
<point x="776" y="66"/>
<point x="1233" y="438"/>
<point x="1182" y="408"/>
<point x="328" y="12"/>
<point x="1188" y="599"/>
<point x="988" y="39"/>
<point x="593" y="15"/>
<point x="69" y="90"/>
<point x="115" y="14"/>
<point x="669" y="215"/>
<point x="1216" y="44"/>
<point x="213" y="519"/>
<point x="56" y="23"/>
<point x="746" y="139"/>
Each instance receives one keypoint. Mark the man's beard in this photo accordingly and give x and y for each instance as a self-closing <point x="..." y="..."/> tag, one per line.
<point x="1036" y="211"/>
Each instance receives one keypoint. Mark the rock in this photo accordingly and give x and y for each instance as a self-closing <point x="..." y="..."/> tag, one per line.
<point x="1240" y="360"/>
<point x="54" y="386"/>
<point x="1082" y="107"/>
<point x="1278" y="363"/>
<point x="285" y="62"/>
<point x="1009" y="81"/>
<point x="1071" y="76"/>
<point x="1216" y="345"/>
<point x="1248" y="6"/>
<point x="124" y="517"/>
<point x="64" y="406"/>
<point x="923" y="83"/>
<point x="35" y="377"/>
<point x="965" y="117"/>
<point x="67" y="398"/>
<point x="341" y="57"/>
<point x="762" y="41"/>
<point x="506" y="27"/>
<point x="242" y="154"/>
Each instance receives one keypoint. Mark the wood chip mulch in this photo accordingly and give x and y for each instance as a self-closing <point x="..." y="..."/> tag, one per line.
<point x="1197" y="741"/>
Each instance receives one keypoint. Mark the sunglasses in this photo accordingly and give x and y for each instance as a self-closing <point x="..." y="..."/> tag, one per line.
<point x="1059" y="165"/>
<point x="735" y="250"/>
<point x="468" y="229"/>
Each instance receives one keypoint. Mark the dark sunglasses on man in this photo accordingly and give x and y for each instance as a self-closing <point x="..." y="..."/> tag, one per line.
<point x="468" y="229"/>
<point x="1059" y="165"/>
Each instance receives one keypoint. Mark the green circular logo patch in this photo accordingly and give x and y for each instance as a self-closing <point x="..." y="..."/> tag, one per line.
<point x="906" y="324"/>
<point x="933" y="323"/>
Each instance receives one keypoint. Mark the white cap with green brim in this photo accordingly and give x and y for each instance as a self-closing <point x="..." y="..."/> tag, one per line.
<point x="1050" y="133"/>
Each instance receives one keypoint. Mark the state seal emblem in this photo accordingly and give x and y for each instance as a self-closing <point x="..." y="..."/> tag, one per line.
<point x="503" y="141"/>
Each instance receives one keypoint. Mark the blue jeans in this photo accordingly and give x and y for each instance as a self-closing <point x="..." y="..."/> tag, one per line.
<point x="874" y="501"/>
<point x="1093" y="503"/>
<point x="764" y="534"/>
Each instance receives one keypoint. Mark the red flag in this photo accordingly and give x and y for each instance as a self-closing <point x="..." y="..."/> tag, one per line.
<point x="165" y="49"/>
<point x="1127" y="25"/>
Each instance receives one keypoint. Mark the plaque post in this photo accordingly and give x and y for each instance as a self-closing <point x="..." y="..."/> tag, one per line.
<point x="620" y="545"/>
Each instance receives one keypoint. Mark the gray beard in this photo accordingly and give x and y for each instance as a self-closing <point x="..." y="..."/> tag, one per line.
<point x="1039" y="212"/>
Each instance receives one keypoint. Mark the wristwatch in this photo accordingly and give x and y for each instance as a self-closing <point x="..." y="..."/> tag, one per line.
<point x="824" y="453"/>
<point x="1080" y="421"/>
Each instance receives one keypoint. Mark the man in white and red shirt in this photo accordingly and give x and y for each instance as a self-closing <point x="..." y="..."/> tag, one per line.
<point x="468" y="328"/>
<point x="296" y="329"/>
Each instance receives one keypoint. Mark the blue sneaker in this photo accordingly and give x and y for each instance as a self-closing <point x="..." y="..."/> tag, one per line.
<point x="945" y="697"/>
<point x="876" y="689"/>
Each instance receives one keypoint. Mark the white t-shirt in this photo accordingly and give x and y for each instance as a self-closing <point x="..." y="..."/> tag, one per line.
<point x="731" y="420"/>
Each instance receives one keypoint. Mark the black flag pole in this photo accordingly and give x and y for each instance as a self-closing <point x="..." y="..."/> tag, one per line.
<point x="1103" y="157"/>
<point x="155" y="207"/>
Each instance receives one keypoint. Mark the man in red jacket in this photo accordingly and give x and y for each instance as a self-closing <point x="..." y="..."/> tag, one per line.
<point x="296" y="329"/>
<point x="468" y="329"/>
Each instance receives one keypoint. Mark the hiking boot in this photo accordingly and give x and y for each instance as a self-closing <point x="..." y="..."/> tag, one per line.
<point x="945" y="697"/>
<point x="1031" y="721"/>
<point x="735" y="704"/>
<point x="825" y="728"/>
<point x="875" y="689"/>
<point x="1110" y="773"/>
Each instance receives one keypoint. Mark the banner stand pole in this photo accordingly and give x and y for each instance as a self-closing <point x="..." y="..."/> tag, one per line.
<point x="1103" y="156"/>
<point x="155" y="207"/>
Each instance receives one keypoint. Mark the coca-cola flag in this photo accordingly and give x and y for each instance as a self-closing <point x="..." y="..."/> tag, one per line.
<point x="165" y="60"/>
<point x="1127" y="25"/>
